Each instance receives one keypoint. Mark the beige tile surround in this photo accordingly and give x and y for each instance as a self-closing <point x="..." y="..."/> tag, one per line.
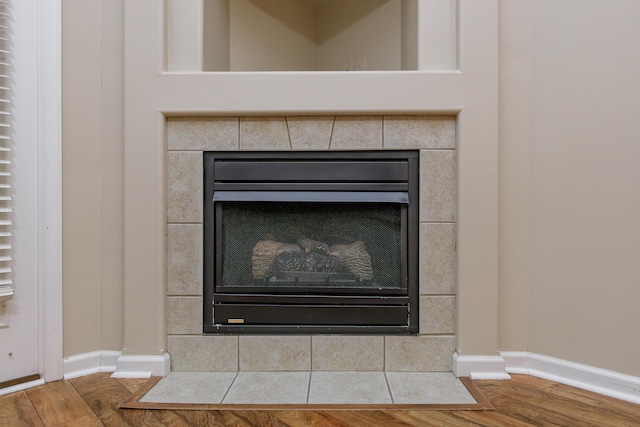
<point x="434" y="136"/>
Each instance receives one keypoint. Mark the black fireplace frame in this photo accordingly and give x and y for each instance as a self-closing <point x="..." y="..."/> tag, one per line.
<point x="325" y="177"/>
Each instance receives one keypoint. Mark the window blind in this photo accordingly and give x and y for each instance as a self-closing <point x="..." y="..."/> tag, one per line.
<point x="6" y="220"/>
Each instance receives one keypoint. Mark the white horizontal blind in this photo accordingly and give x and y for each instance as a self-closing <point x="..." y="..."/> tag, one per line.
<point x="6" y="283"/>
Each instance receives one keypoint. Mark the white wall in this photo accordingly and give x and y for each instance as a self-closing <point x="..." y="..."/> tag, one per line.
<point x="272" y="35"/>
<point x="570" y="168"/>
<point x="586" y="183"/>
<point x="112" y="173"/>
<point x="516" y="73"/>
<point x="215" y="43"/>
<point x="437" y="35"/>
<point x="409" y="34"/>
<point x="285" y="35"/>
<point x="93" y="175"/>
<point x="81" y="201"/>
<point x="370" y="28"/>
<point x="185" y="43"/>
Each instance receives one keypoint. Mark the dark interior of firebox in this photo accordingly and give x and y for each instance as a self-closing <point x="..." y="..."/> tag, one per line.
<point x="297" y="245"/>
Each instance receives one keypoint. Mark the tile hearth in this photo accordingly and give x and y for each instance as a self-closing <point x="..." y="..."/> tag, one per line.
<point x="319" y="387"/>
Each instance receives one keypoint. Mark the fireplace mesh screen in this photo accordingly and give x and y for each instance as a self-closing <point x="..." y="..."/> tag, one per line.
<point x="300" y="245"/>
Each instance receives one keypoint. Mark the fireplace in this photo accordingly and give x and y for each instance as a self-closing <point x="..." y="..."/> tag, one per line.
<point x="193" y="349"/>
<point x="311" y="242"/>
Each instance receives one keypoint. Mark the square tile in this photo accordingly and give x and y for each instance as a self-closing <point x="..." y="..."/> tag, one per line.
<point x="203" y="353"/>
<point x="438" y="184"/>
<point x="269" y="388"/>
<point x="428" y="388"/>
<point x="347" y="353"/>
<point x="202" y="133"/>
<point x="190" y="387"/>
<point x="438" y="259"/>
<point x="349" y="388"/>
<point x="184" y="315"/>
<point x="437" y="315"/>
<point x="184" y="186"/>
<point x="275" y="353"/>
<point x="411" y="132"/>
<point x="419" y="354"/>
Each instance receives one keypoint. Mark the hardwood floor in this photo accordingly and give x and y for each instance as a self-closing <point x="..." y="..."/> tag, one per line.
<point x="523" y="401"/>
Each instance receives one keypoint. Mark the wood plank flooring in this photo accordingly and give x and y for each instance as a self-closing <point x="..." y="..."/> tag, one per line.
<point x="523" y="401"/>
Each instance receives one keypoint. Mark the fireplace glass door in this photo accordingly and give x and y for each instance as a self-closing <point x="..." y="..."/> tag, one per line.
<point x="311" y="247"/>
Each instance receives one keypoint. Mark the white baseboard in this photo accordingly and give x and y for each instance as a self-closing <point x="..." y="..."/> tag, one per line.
<point x="90" y="363"/>
<point x="20" y="387"/>
<point x="602" y="381"/>
<point x="517" y="361"/>
<point x="140" y="366"/>
<point x="480" y="367"/>
<point x="113" y="361"/>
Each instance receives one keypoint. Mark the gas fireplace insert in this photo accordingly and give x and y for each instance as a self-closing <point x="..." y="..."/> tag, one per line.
<point x="311" y="242"/>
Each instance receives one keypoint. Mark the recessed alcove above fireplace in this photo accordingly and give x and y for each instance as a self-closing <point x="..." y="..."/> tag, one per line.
<point x="431" y="139"/>
<point x="311" y="242"/>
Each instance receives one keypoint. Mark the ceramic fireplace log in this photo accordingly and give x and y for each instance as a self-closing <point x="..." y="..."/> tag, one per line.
<point x="269" y="257"/>
<point x="310" y="245"/>
<point x="265" y="253"/>
<point x="356" y="257"/>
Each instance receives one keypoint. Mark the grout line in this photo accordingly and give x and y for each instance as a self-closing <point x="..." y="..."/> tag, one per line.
<point x="437" y="222"/>
<point x="238" y="365"/>
<point x="333" y="125"/>
<point x="309" y="387"/>
<point x="393" y="401"/>
<point x="437" y="295"/>
<point x="239" y="119"/>
<point x="286" y="123"/>
<point x="182" y="296"/>
<point x="187" y="335"/>
<point x="384" y="354"/>
<point x="311" y="353"/>
<point x="229" y="388"/>
<point x="434" y="149"/>
<point x="433" y="335"/>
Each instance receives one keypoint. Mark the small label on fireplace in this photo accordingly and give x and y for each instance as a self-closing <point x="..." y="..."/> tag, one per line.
<point x="235" y="320"/>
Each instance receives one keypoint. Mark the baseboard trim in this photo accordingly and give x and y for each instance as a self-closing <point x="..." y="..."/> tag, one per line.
<point x="89" y="363"/>
<point x="142" y="366"/>
<point x="480" y="367"/>
<point x="21" y="386"/>
<point x="602" y="381"/>
<point x="113" y="361"/>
